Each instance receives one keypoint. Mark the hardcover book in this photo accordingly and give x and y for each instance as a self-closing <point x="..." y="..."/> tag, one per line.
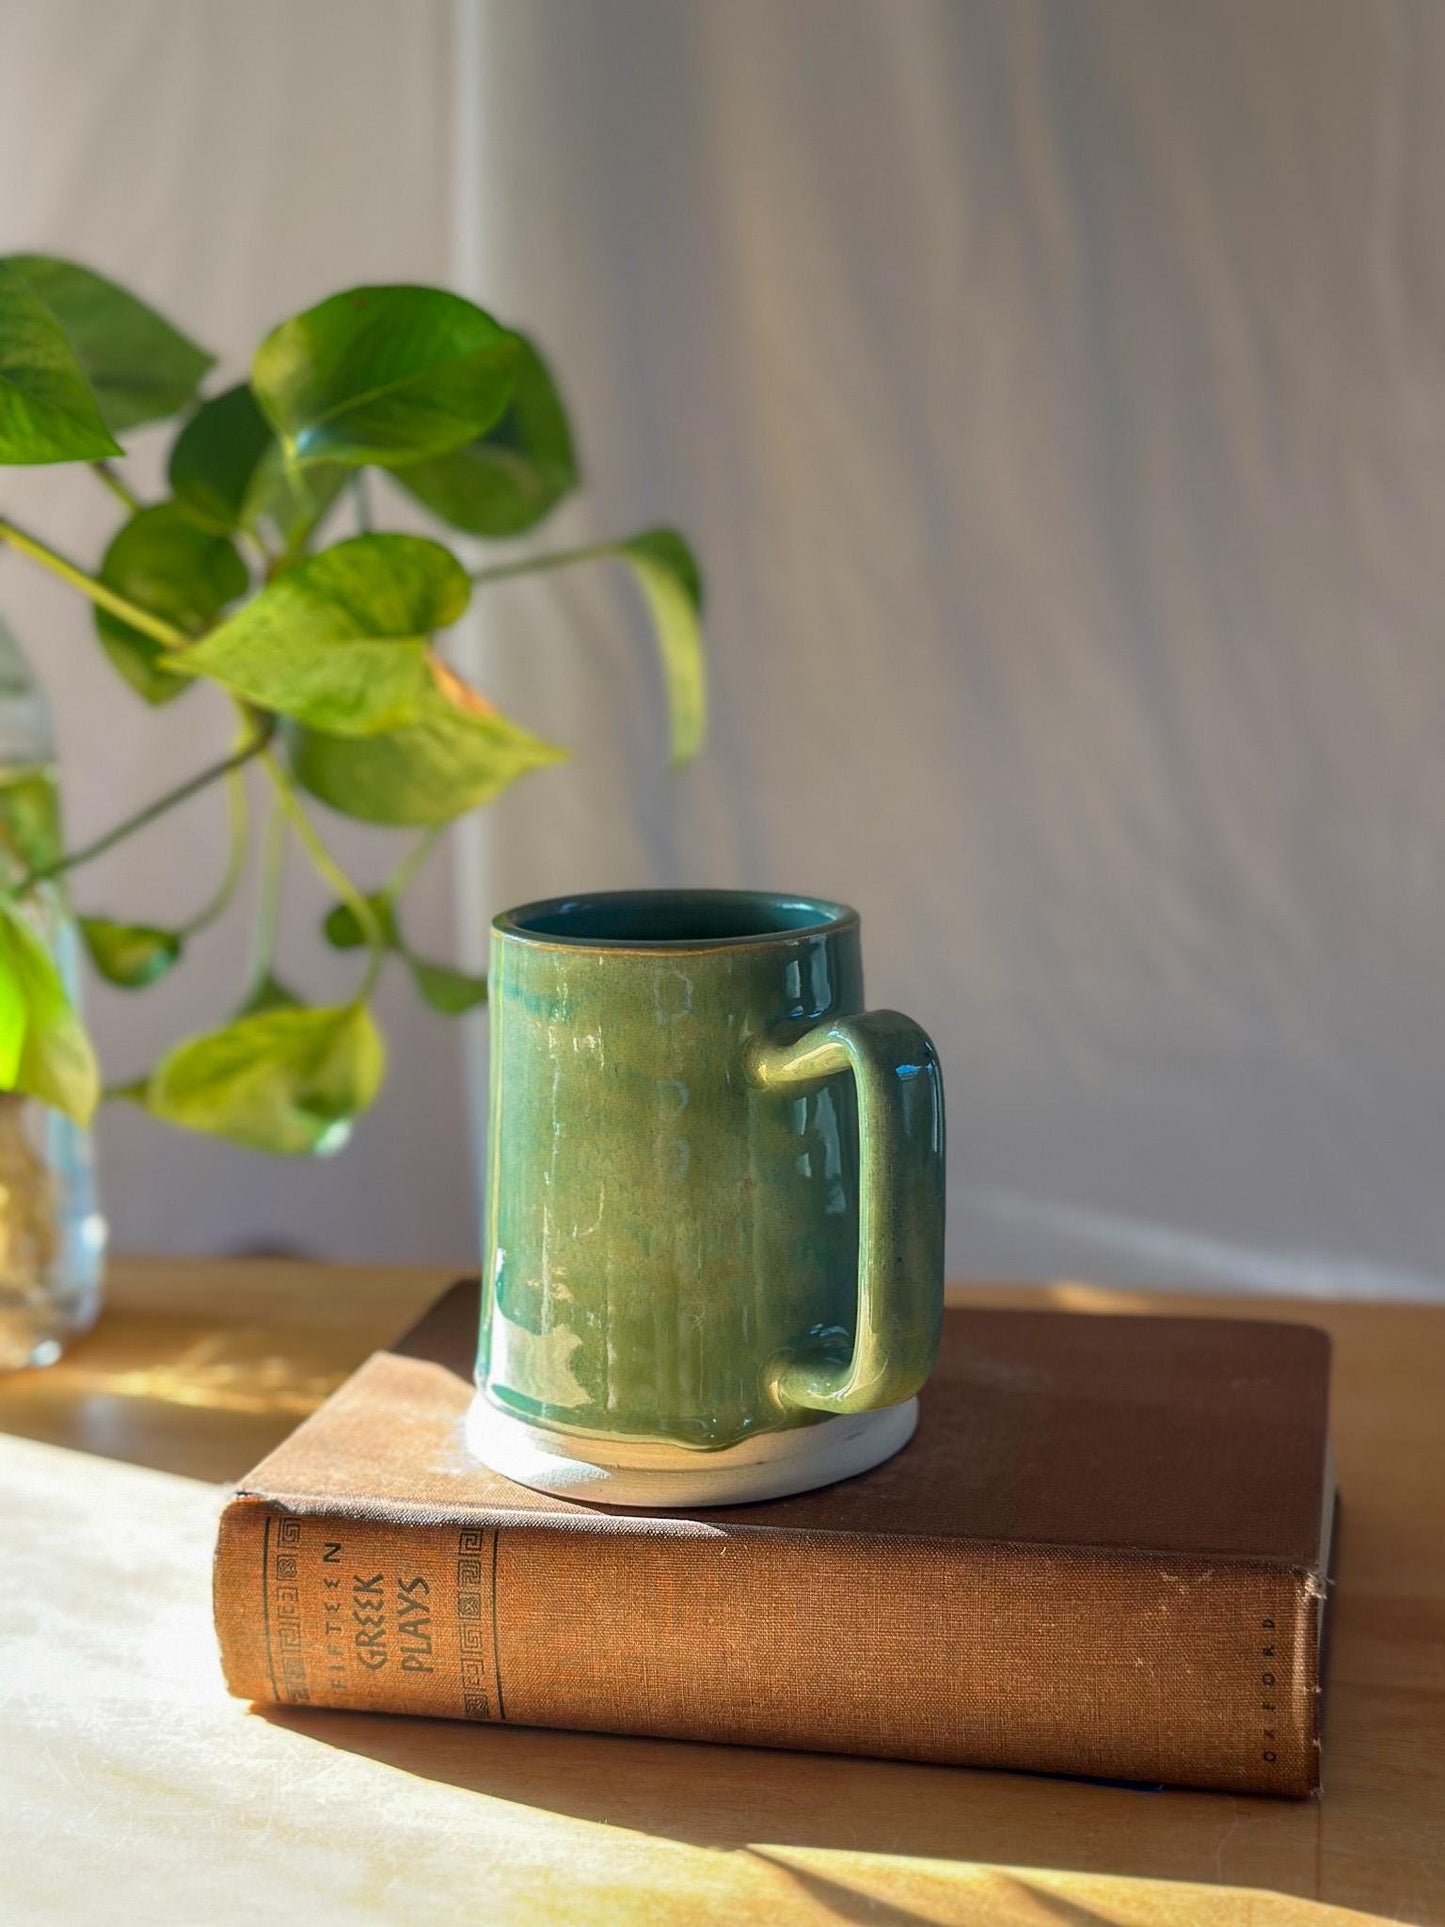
<point x="1104" y="1553"/>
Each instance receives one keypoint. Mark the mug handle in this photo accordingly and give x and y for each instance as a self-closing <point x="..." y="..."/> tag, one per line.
<point x="900" y="1206"/>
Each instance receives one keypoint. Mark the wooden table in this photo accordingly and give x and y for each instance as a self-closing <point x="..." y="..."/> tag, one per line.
<point x="133" y="1790"/>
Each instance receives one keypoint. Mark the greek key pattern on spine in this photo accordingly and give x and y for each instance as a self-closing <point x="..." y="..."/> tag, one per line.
<point x="284" y="1619"/>
<point x="477" y="1624"/>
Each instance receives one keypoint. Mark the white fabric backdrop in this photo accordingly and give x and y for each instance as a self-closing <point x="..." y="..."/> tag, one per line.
<point x="1056" y="394"/>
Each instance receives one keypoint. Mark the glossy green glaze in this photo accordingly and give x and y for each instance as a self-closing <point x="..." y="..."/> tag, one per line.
<point x="716" y="1186"/>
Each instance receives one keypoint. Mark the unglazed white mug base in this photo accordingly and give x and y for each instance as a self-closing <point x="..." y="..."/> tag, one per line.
<point x="631" y="1472"/>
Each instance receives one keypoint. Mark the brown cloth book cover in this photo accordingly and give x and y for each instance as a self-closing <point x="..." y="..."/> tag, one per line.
<point x="1104" y="1553"/>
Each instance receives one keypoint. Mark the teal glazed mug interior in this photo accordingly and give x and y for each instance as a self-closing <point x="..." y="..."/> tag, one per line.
<point x="714" y="1246"/>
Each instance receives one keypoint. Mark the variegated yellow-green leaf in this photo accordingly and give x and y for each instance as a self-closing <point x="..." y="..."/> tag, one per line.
<point x="672" y="586"/>
<point x="44" y="1050"/>
<point x="457" y="753"/>
<point x="130" y="955"/>
<point x="286" y="1080"/>
<point x="340" y="641"/>
<point x="445" y="988"/>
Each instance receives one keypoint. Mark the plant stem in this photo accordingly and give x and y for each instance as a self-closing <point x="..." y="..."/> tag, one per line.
<point x="117" y="485"/>
<point x="72" y="859"/>
<point x="264" y="556"/>
<point x="164" y="633"/>
<point x="268" y="897"/>
<point x="329" y="870"/>
<point x="235" y="855"/>
<point x="402" y="875"/>
<point x="539" y="564"/>
<point x="134" y="1089"/>
<point x="301" y="534"/>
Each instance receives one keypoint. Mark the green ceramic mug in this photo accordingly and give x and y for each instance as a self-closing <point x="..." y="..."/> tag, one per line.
<point x="714" y="1249"/>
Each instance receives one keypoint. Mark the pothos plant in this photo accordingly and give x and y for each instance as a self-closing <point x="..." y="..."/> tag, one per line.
<point x="324" y="641"/>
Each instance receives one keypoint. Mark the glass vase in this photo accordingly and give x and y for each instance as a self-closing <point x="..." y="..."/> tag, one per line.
<point x="52" y="1236"/>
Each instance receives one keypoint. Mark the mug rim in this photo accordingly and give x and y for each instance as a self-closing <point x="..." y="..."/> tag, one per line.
<point x="824" y="918"/>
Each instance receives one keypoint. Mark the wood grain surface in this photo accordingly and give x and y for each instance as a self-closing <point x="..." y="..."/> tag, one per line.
<point x="132" y="1789"/>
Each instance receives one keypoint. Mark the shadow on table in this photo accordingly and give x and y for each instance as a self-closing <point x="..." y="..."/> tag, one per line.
<point x="741" y="1798"/>
<point x="847" y="1903"/>
<point x="178" y="1394"/>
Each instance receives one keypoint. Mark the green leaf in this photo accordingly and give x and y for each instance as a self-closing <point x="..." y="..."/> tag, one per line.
<point x="215" y="456"/>
<point x="671" y="583"/>
<point x="48" y="412"/>
<point x="44" y="1050"/>
<point x="340" y="640"/>
<point x="290" y="1081"/>
<point x="505" y="481"/>
<point x="140" y="367"/>
<point x="165" y="563"/>
<point x="342" y="928"/>
<point x="457" y="753"/>
<point x="30" y="817"/>
<point x="14" y="1014"/>
<point x="132" y="955"/>
<point x="269" y="994"/>
<point x="447" y="990"/>
<point x="386" y="375"/>
<point x="227" y="472"/>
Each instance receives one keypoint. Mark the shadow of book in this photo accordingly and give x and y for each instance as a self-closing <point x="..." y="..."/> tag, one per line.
<point x="735" y="1799"/>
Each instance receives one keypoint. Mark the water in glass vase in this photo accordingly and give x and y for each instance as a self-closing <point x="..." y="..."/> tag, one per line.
<point x="52" y="1236"/>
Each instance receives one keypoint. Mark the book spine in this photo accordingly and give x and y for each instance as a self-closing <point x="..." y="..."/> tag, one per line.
<point x="1113" y="1666"/>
